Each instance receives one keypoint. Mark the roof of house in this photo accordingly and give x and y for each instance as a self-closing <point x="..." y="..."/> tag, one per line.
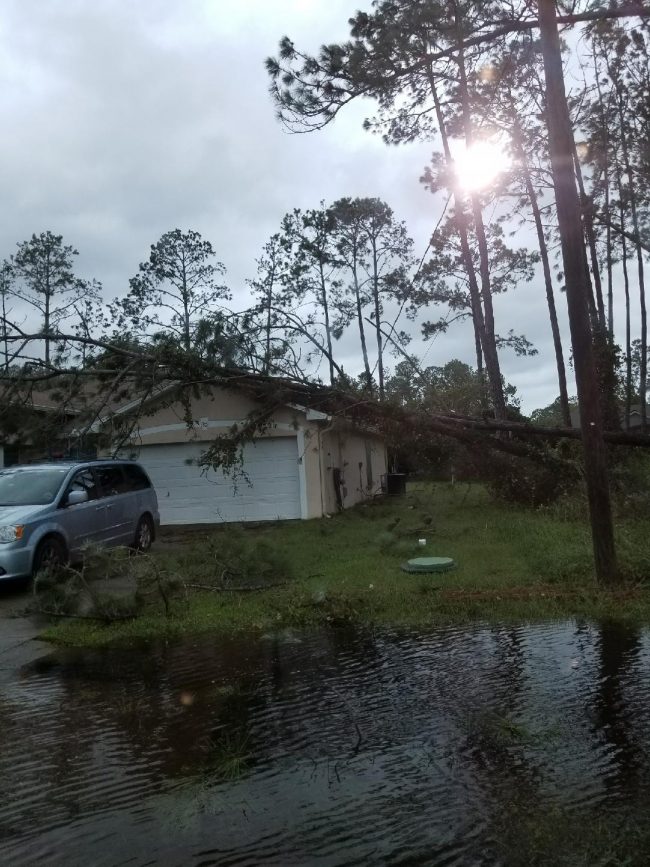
<point x="90" y="405"/>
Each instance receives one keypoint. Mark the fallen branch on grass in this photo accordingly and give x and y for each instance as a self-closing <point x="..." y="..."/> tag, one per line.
<point x="256" y="588"/>
<point x="96" y="618"/>
<point x="529" y="593"/>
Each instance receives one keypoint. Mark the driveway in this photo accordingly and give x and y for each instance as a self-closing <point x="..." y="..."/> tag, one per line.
<point x="19" y="642"/>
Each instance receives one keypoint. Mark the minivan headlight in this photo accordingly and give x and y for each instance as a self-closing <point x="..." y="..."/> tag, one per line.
<point x="11" y="534"/>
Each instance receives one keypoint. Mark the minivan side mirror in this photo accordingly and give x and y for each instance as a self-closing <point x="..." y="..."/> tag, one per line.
<point x="75" y="498"/>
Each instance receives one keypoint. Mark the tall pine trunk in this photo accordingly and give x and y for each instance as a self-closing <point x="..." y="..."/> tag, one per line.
<point x="477" y="347"/>
<point x="607" y="191"/>
<point x="572" y="240"/>
<point x="269" y="318"/>
<point x="628" y="330"/>
<point x="610" y="263"/>
<point x="362" y="330"/>
<point x="489" y="347"/>
<point x="4" y="290"/>
<point x="552" y="310"/>
<point x="187" y="334"/>
<point x="377" y="304"/>
<point x="546" y="269"/>
<point x="634" y="212"/>
<point x="488" y="344"/>
<point x="326" y="314"/>
<point x="47" y="291"/>
<point x="626" y="288"/>
<point x="5" y="335"/>
<point x="185" y="296"/>
<point x="602" y="343"/>
<point x="590" y="236"/>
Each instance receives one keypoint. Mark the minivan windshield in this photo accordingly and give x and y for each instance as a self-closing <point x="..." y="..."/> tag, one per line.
<point x="25" y="486"/>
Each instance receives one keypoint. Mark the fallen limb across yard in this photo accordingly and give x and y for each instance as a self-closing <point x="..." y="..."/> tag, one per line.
<point x="82" y="399"/>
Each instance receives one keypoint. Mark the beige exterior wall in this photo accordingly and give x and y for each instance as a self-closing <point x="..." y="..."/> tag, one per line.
<point x="323" y="446"/>
<point x="310" y="452"/>
<point x="352" y="453"/>
<point x="211" y="414"/>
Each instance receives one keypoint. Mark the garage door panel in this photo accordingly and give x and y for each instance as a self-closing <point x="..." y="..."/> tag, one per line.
<point x="188" y="495"/>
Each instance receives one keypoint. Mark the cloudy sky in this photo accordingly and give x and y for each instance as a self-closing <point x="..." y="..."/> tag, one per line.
<point x="122" y="120"/>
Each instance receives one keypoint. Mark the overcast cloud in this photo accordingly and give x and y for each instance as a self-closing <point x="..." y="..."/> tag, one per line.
<point x="122" y="120"/>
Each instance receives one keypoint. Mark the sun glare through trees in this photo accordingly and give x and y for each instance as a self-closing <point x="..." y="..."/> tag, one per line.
<point x="480" y="164"/>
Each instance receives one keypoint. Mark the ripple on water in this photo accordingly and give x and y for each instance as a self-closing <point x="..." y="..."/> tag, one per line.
<point x="333" y="747"/>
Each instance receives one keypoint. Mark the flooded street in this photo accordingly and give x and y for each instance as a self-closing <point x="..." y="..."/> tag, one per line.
<point x="513" y="745"/>
<point x="18" y="634"/>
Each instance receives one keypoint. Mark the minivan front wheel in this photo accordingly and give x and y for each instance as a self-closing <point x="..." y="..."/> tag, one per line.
<point x="50" y="556"/>
<point x="143" y="535"/>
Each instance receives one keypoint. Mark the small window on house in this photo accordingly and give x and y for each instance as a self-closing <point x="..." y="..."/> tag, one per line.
<point x="112" y="481"/>
<point x="136" y="478"/>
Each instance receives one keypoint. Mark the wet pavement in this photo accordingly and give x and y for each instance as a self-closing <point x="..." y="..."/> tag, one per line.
<point x="503" y="745"/>
<point x="19" y="643"/>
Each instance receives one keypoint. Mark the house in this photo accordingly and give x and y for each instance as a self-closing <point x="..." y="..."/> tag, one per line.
<point x="305" y="464"/>
<point x="635" y="416"/>
<point x="36" y="427"/>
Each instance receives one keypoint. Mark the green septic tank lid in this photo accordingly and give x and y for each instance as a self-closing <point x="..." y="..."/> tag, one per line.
<point x="429" y="564"/>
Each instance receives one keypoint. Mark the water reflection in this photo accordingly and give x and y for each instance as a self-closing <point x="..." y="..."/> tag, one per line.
<point x="334" y="747"/>
<point x="616" y="710"/>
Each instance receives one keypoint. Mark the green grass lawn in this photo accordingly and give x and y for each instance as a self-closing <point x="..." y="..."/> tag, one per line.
<point x="511" y="565"/>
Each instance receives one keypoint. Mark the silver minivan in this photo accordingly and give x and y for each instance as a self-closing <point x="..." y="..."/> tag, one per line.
<point x="49" y="511"/>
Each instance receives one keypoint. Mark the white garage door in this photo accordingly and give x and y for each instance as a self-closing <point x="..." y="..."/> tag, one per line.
<point x="189" y="495"/>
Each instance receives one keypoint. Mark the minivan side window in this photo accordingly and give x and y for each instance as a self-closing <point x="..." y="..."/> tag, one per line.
<point x="111" y="480"/>
<point x="84" y="480"/>
<point x="136" y="478"/>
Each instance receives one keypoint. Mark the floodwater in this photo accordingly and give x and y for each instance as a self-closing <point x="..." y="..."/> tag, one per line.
<point x="512" y="745"/>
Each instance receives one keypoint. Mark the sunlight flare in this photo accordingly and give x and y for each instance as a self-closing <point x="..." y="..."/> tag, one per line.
<point x="477" y="166"/>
